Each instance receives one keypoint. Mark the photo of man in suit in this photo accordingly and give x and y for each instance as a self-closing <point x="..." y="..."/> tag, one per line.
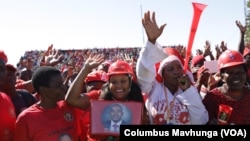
<point x="116" y="113"/>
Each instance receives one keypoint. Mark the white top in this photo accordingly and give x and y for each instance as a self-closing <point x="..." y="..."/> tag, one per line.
<point x="187" y="108"/>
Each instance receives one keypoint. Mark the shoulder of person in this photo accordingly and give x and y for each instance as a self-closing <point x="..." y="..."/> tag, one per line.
<point x="27" y="97"/>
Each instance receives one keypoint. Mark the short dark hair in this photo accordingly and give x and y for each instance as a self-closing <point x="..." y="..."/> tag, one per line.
<point x="116" y="105"/>
<point x="42" y="76"/>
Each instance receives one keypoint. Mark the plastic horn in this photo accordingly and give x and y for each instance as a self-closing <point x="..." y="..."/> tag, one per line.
<point x="198" y="8"/>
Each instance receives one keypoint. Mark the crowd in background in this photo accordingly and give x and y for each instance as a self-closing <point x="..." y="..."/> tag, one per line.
<point x="76" y="57"/>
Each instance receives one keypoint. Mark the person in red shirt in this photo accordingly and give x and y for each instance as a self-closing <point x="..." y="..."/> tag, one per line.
<point x="26" y="73"/>
<point x="50" y="117"/>
<point x="21" y="98"/>
<point x="93" y="81"/>
<point x="7" y="110"/>
<point x="119" y="87"/>
<point x="233" y="92"/>
<point x="7" y="119"/>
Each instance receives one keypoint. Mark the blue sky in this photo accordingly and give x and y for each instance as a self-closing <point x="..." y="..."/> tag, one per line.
<point x="76" y="24"/>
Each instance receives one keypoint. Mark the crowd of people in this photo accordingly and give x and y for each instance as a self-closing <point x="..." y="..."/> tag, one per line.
<point x="48" y="94"/>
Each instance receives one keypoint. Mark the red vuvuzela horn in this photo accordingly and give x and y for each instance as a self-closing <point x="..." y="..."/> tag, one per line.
<point x="198" y="8"/>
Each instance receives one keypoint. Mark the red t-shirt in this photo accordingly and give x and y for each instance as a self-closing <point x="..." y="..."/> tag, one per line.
<point x="38" y="124"/>
<point x="240" y="113"/>
<point x="7" y="118"/>
<point x="84" y="120"/>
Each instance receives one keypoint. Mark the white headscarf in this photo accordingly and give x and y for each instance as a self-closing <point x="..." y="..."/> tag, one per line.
<point x="170" y="59"/>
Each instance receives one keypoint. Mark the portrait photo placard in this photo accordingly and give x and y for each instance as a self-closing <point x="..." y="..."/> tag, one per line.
<point x="107" y="116"/>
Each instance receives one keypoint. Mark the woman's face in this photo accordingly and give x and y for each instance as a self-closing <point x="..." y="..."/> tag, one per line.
<point x="171" y="73"/>
<point x="119" y="86"/>
<point x="234" y="77"/>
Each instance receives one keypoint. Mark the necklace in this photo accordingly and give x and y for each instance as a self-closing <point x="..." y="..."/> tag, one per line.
<point x="170" y="107"/>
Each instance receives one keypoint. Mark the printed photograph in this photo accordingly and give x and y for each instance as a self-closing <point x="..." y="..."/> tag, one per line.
<point x="115" y="115"/>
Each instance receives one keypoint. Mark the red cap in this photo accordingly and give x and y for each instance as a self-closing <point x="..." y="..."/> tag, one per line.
<point x="197" y="59"/>
<point x="98" y="75"/>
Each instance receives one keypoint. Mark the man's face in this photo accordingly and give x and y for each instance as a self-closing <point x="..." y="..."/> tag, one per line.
<point x="116" y="113"/>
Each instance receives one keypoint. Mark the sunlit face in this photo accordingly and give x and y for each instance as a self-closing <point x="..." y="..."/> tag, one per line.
<point x="234" y="77"/>
<point x="119" y="86"/>
<point x="116" y="113"/>
<point x="171" y="73"/>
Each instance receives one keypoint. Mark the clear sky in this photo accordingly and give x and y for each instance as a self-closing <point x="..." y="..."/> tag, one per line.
<point x="77" y="24"/>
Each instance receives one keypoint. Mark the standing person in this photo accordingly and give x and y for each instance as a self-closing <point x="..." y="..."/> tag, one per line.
<point x="7" y="110"/>
<point x="174" y="100"/>
<point x="50" y="117"/>
<point x="119" y="87"/>
<point x="94" y="81"/>
<point x="233" y="92"/>
<point x="26" y="73"/>
<point x="116" y="113"/>
<point x="21" y="98"/>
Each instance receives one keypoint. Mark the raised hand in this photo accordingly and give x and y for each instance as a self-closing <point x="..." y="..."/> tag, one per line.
<point x="242" y="28"/>
<point x="153" y="31"/>
<point x="223" y="46"/>
<point x="128" y="59"/>
<point x="218" y="51"/>
<point x="52" y="56"/>
<point x="94" y="61"/>
<point x="181" y="50"/>
<point x="207" y="49"/>
<point x="199" y="52"/>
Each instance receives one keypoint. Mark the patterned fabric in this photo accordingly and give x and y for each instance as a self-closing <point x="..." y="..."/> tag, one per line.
<point x="241" y="112"/>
